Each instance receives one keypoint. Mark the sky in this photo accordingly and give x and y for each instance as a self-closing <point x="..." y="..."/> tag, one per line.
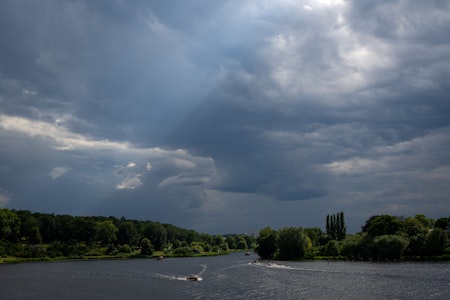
<point x="226" y="116"/>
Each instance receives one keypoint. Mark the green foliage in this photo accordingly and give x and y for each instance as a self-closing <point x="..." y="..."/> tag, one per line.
<point x="382" y="225"/>
<point x="412" y="226"/>
<point x="49" y="228"/>
<point x="291" y="243"/>
<point x="198" y="247"/>
<point x="442" y="223"/>
<point x="157" y="234"/>
<point x="9" y="224"/>
<point x="389" y="247"/>
<point x="417" y="245"/>
<point x="351" y="246"/>
<point x="218" y="240"/>
<point x="383" y="237"/>
<point x="147" y="247"/>
<point x="314" y="234"/>
<point x="426" y="222"/>
<point x="332" y="248"/>
<point x="266" y="243"/>
<point x="241" y="243"/>
<point x="106" y="232"/>
<point x="35" y="235"/>
<point x="231" y="241"/>
<point x="437" y="241"/>
<point x="127" y="233"/>
<point x="183" y="252"/>
<point x="335" y="226"/>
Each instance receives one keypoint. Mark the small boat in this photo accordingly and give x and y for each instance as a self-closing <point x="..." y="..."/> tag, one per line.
<point x="192" y="277"/>
<point x="247" y="253"/>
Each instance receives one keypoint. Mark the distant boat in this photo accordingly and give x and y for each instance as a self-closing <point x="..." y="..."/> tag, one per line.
<point x="160" y="257"/>
<point x="192" y="277"/>
<point x="247" y="253"/>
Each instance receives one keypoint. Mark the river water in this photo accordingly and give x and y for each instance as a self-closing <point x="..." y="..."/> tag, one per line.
<point x="233" y="276"/>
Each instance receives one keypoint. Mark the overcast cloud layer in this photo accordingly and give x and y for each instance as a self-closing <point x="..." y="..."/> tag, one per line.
<point x="226" y="116"/>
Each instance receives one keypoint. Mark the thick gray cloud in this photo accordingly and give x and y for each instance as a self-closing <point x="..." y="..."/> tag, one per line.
<point x="266" y="113"/>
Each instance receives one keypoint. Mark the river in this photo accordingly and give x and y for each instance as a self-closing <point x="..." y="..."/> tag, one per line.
<point x="233" y="276"/>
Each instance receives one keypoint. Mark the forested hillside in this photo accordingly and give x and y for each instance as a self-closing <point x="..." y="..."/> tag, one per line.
<point x="24" y="234"/>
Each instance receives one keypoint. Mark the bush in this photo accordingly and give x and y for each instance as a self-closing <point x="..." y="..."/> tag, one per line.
<point x="125" y="249"/>
<point x="437" y="241"/>
<point x="389" y="246"/>
<point x="332" y="248"/>
<point x="291" y="243"/>
<point x="350" y="246"/>
<point x="183" y="252"/>
<point x="112" y="250"/>
<point x="146" y="247"/>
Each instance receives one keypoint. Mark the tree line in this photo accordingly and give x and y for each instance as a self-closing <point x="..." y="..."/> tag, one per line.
<point x="382" y="237"/>
<point x="25" y="234"/>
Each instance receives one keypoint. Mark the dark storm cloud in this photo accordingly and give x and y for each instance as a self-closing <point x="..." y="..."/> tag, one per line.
<point x="193" y="112"/>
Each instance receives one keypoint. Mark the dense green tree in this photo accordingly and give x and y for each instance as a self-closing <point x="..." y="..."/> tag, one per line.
<point x="266" y="243"/>
<point x="218" y="240"/>
<point x="241" y="243"/>
<point x="335" y="226"/>
<point x="314" y="234"/>
<point x="442" y="223"/>
<point x="389" y="247"/>
<point x="351" y="246"/>
<point x="437" y="241"/>
<point x="35" y="236"/>
<point x="146" y="247"/>
<point x="249" y="240"/>
<point x="128" y="233"/>
<point x="157" y="234"/>
<point x="49" y="228"/>
<point x="291" y="243"/>
<point x="206" y="238"/>
<point x="106" y="232"/>
<point x="427" y="222"/>
<point x="67" y="228"/>
<point x="382" y="225"/>
<point x="332" y="248"/>
<point x="231" y="241"/>
<point x="28" y="221"/>
<point x="9" y="225"/>
<point x="413" y="226"/>
<point x="417" y="245"/>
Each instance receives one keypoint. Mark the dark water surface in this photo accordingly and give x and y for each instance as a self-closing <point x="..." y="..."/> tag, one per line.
<point x="224" y="277"/>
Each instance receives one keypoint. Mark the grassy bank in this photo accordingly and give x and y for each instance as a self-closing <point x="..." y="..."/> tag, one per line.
<point x="132" y="255"/>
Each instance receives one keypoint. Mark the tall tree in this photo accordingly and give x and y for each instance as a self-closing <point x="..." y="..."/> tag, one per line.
<point x="157" y="234"/>
<point x="106" y="232"/>
<point x="335" y="226"/>
<point x="382" y="225"/>
<point x="266" y="243"/>
<point x="128" y="233"/>
<point x="437" y="241"/>
<point x="9" y="224"/>
<point x="291" y="243"/>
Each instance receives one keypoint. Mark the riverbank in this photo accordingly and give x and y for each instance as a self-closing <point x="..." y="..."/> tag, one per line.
<point x="135" y="255"/>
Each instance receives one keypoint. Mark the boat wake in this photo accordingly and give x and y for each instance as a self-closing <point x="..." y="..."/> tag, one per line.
<point x="192" y="277"/>
<point x="271" y="265"/>
<point x="204" y="267"/>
